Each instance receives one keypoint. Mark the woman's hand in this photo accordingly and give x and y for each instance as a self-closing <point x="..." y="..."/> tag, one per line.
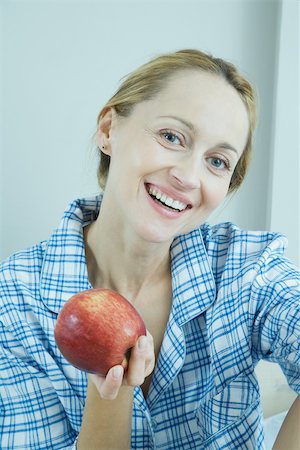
<point x="141" y="365"/>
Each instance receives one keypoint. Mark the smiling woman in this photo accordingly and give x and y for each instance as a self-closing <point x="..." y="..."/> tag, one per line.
<point x="174" y="140"/>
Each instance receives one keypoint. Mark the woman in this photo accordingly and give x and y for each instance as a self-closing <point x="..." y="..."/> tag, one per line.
<point x="174" y="140"/>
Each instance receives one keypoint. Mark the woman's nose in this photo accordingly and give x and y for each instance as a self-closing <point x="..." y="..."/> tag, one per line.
<point x="187" y="175"/>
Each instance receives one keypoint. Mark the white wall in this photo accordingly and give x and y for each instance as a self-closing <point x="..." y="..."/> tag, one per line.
<point x="284" y="194"/>
<point x="62" y="61"/>
<point x="1" y="130"/>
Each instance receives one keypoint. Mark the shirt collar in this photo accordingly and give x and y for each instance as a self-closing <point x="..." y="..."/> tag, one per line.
<point x="64" y="271"/>
<point x="194" y="288"/>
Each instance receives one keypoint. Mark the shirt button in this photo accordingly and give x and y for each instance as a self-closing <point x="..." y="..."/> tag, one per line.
<point x="154" y="424"/>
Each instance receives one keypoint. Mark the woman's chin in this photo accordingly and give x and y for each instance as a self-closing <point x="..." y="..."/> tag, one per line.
<point x="155" y="235"/>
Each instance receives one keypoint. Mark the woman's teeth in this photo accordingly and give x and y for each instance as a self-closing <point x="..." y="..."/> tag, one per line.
<point x="168" y="201"/>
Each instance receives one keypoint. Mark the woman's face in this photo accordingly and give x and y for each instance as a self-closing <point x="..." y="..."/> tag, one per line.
<point x="172" y="159"/>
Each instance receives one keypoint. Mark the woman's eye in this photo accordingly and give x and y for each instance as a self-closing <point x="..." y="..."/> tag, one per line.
<point x="219" y="163"/>
<point x="171" y="137"/>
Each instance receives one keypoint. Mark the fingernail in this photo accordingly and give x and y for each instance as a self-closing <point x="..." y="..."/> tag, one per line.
<point x="142" y="343"/>
<point x="117" y="372"/>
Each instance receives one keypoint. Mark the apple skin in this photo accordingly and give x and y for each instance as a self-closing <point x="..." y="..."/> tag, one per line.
<point x="96" y="329"/>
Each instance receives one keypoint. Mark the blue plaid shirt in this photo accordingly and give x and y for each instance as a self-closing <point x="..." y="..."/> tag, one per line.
<point x="235" y="301"/>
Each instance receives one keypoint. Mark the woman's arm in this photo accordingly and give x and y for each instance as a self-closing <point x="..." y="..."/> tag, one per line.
<point x="106" y="423"/>
<point x="289" y="434"/>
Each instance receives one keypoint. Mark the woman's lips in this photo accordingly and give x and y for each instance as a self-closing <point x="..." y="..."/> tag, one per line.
<point x="166" y="202"/>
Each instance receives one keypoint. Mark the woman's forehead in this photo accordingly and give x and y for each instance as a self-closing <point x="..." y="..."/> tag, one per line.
<point x="206" y="103"/>
<point x="198" y="92"/>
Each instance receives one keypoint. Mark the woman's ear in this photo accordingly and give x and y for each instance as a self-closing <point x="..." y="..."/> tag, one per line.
<point x="104" y="131"/>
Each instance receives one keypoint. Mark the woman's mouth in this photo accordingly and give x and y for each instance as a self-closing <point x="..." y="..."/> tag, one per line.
<point x="165" y="200"/>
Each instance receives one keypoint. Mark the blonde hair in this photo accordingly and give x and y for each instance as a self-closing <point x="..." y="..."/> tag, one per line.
<point x="148" y="80"/>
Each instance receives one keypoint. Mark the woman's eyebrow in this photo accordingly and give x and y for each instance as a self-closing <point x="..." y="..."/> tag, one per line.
<point x="179" y="119"/>
<point x="228" y="147"/>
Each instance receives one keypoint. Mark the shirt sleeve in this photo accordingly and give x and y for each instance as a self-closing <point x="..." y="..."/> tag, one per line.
<point x="275" y="305"/>
<point x="31" y="413"/>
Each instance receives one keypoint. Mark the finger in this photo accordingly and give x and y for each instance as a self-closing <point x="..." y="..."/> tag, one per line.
<point x="141" y="356"/>
<point x="150" y="355"/>
<point x="109" y="386"/>
<point x="136" y="369"/>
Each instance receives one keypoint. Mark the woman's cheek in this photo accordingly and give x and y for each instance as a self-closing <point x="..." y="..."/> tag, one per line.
<point x="215" y="193"/>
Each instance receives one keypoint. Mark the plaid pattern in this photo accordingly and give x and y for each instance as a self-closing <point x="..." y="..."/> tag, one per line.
<point x="235" y="301"/>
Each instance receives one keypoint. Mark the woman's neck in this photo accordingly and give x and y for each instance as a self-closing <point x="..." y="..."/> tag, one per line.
<point x="122" y="262"/>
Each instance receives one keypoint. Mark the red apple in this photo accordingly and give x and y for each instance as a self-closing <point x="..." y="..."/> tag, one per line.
<point x="96" y="329"/>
